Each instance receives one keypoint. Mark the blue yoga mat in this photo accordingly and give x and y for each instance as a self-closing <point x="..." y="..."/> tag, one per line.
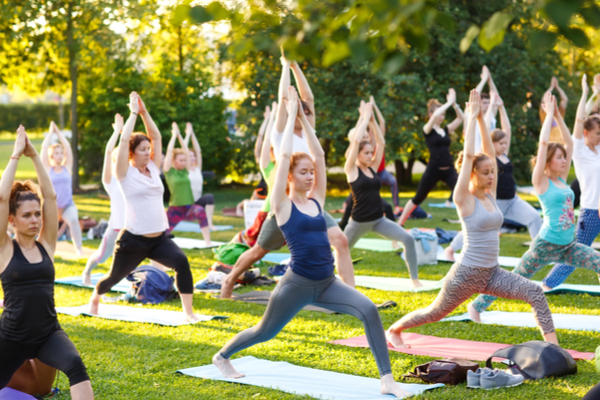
<point x="121" y="287"/>
<point x="523" y="319"/>
<point x="134" y="314"/>
<point x="440" y="205"/>
<point x="188" y="226"/>
<point x="276" y="258"/>
<point x="291" y="378"/>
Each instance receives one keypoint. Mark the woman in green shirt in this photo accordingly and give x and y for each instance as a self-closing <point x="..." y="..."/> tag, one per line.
<point x="176" y="167"/>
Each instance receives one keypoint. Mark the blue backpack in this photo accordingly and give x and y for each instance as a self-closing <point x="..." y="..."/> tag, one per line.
<point x="151" y="285"/>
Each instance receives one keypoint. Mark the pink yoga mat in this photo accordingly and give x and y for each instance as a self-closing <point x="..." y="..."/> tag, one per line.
<point x="433" y="346"/>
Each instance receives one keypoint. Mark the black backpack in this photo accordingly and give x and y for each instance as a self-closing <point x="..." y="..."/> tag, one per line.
<point x="537" y="359"/>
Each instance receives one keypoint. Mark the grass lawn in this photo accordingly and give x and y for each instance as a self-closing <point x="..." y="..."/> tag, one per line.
<point x="138" y="361"/>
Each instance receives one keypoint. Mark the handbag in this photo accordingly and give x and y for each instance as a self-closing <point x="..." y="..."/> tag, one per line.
<point x="34" y="378"/>
<point x="449" y="371"/>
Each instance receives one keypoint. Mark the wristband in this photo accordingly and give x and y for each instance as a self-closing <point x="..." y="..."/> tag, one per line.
<point x="15" y="158"/>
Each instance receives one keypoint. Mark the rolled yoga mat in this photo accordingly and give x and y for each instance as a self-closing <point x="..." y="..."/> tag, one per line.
<point x="526" y="320"/>
<point x="433" y="346"/>
<point x="135" y="314"/>
<point x="262" y="298"/>
<point x="395" y="284"/>
<point x="188" y="226"/>
<point x="187" y="243"/>
<point x="291" y="378"/>
<point x="121" y="287"/>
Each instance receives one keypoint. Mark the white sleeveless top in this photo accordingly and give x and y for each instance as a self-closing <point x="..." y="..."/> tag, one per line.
<point x="196" y="181"/>
<point x="145" y="212"/>
<point x="117" y="204"/>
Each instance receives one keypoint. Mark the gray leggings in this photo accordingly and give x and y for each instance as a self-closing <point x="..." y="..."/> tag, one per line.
<point x="389" y="230"/>
<point x="462" y="282"/>
<point x="293" y="293"/>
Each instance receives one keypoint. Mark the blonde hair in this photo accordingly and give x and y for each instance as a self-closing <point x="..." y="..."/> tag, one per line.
<point x="497" y="135"/>
<point x="433" y="105"/>
<point x="553" y="147"/>
<point x="178" y="152"/>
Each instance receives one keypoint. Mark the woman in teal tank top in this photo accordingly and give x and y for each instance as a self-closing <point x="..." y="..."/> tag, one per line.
<point x="556" y="240"/>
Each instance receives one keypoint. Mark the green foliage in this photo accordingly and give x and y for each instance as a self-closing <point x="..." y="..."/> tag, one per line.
<point x="34" y="116"/>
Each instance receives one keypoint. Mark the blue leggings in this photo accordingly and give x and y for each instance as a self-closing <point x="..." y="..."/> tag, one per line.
<point x="588" y="228"/>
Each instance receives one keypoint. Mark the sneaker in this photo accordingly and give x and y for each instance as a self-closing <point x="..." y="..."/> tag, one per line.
<point x="500" y="379"/>
<point x="474" y="378"/>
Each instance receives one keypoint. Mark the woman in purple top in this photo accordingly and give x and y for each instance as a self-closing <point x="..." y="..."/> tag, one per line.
<point x="58" y="161"/>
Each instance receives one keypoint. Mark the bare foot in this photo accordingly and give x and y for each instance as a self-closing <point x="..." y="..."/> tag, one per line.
<point x="225" y="367"/>
<point x="449" y="204"/>
<point x="546" y="288"/>
<point x="94" y="308"/>
<point x="416" y="283"/>
<point x="449" y="253"/>
<point x="212" y="228"/>
<point x="473" y="314"/>
<point x="86" y="279"/>
<point x="395" y="339"/>
<point x="227" y="285"/>
<point x="389" y="386"/>
<point x="192" y="318"/>
<point x="395" y="244"/>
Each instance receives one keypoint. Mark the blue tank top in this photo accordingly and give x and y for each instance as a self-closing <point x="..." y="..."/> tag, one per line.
<point x="309" y="246"/>
<point x="559" y="217"/>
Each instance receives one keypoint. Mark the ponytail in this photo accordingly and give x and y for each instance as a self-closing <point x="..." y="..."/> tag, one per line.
<point x="22" y="191"/>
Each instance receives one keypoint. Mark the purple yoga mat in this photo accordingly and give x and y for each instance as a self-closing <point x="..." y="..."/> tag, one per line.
<point x="12" y="394"/>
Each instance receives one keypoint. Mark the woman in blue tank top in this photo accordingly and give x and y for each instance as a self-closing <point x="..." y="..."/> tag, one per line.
<point x="556" y="240"/>
<point x="310" y="278"/>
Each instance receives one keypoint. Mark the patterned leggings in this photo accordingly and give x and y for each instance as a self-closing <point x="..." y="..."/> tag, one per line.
<point x="176" y="214"/>
<point x="588" y="228"/>
<point x="542" y="253"/>
<point x="462" y="282"/>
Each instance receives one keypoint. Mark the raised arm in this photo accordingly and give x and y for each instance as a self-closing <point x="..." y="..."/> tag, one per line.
<point x="261" y="131"/>
<point x="265" y="151"/>
<point x="589" y="106"/>
<point x="538" y="178"/>
<point x="450" y="100"/>
<point x="152" y="132"/>
<point x="564" y="100"/>
<point x="460" y="116"/>
<point x="350" y="168"/>
<point x="280" y="203"/>
<point x="45" y="146"/>
<point x="284" y="87"/>
<point x="580" y="116"/>
<point x="66" y="145"/>
<point x="185" y="148"/>
<point x="504" y="121"/>
<point x="566" y="138"/>
<point x="306" y="93"/>
<point x="319" y="190"/>
<point x="487" y="147"/>
<point x="110" y="146"/>
<point x="485" y="76"/>
<point x="462" y="195"/>
<point x="189" y="132"/>
<point x="6" y="183"/>
<point x="170" y="147"/>
<point x="49" y="231"/>
<point x="380" y="141"/>
<point x="380" y="119"/>
<point x="122" y="162"/>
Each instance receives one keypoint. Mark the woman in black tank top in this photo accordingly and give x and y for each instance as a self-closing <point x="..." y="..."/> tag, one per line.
<point x="367" y="213"/>
<point x="441" y="163"/>
<point x="28" y="326"/>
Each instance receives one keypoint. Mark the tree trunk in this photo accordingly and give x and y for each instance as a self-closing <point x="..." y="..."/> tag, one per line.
<point x="73" y="75"/>
<point x="404" y="174"/>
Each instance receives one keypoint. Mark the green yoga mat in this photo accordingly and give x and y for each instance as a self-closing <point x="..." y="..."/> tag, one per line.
<point x="395" y="284"/>
<point x="375" y="245"/>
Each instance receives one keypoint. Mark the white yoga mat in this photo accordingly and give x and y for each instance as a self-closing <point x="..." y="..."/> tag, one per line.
<point x="291" y="378"/>
<point x="135" y="314"/>
<point x="525" y="319"/>
<point x="122" y="287"/>
<point x="187" y="243"/>
<point x="188" y="226"/>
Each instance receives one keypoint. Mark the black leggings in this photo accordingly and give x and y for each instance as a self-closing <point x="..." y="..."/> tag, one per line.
<point x="56" y="351"/>
<point x="593" y="394"/>
<point x="206" y="200"/>
<point x="132" y="249"/>
<point x="387" y="211"/>
<point x="431" y="177"/>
